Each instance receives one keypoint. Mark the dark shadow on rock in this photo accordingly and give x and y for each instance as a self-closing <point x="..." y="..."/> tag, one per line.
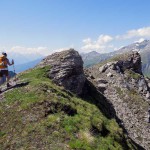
<point x="93" y="96"/>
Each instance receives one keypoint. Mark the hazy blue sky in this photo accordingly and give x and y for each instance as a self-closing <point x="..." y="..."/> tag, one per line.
<point x="28" y="26"/>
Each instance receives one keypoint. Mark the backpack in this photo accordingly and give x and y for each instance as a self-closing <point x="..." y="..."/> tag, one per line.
<point x="3" y="62"/>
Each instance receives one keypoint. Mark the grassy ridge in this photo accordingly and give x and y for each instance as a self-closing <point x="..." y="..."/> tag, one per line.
<point x="42" y="115"/>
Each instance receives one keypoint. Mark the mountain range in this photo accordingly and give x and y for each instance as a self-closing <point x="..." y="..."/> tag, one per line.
<point x="31" y="64"/>
<point x="143" y="48"/>
<point x="94" y="57"/>
<point x="22" y="58"/>
<point x="25" y="66"/>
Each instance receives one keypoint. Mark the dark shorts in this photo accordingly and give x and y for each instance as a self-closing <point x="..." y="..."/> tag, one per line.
<point x="3" y="73"/>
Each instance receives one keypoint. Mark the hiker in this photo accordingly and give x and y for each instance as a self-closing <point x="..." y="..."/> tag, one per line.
<point x="4" y="62"/>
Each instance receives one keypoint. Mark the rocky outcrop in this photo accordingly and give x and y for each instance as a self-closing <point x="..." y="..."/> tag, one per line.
<point x="122" y="83"/>
<point x="133" y="62"/>
<point x="66" y="70"/>
<point x="125" y="61"/>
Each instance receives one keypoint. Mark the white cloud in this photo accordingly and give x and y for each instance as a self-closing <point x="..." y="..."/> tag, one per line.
<point x="29" y="50"/>
<point x="107" y="43"/>
<point x="87" y="41"/>
<point x="141" y="32"/>
<point x="102" y="39"/>
<point x="25" y="54"/>
<point x="100" y="44"/>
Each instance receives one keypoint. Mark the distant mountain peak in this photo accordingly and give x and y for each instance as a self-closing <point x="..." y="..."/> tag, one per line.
<point x="141" y="41"/>
<point x="145" y="41"/>
<point x="94" y="52"/>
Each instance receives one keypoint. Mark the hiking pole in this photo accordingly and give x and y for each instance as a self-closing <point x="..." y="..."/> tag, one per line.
<point x="14" y="71"/>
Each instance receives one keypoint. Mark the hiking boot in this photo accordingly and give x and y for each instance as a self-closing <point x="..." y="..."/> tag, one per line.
<point x="8" y="85"/>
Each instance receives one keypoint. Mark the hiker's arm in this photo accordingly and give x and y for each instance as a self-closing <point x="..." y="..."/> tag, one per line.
<point x="9" y="62"/>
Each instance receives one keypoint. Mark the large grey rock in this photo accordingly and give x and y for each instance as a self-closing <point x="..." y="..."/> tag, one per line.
<point x="66" y="70"/>
<point x="131" y="61"/>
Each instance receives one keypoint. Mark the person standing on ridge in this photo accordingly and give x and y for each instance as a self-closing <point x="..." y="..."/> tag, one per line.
<point x="4" y="62"/>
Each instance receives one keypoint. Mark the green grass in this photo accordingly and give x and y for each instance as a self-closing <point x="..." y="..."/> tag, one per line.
<point x="42" y="115"/>
<point x="132" y="74"/>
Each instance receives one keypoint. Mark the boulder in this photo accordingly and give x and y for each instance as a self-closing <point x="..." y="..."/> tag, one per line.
<point x="66" y="70"/>
<point x="131" y="61"/>
<point x="103" y="68"/>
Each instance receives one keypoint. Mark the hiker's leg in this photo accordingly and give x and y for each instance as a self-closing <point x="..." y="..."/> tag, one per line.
<point x="7" y="78"/>
<point x="1" y="80"/>
<point x="1" y="77"/>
